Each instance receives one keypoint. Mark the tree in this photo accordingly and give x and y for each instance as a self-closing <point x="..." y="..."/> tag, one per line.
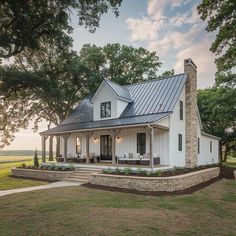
<point x="220" y="16"/>
<point x="24" y="23"/>
<point x="218" y="114"/>
<point x="36" y="160"/>
<point x="44" y="85"/>
<point x="119" y="63"/>
<point x="49" y="82"/>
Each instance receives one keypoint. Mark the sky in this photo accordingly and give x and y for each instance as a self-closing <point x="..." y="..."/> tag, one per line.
<point x="172" y="28"/>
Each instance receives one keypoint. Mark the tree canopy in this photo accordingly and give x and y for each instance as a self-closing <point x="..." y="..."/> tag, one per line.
<point x="48" y="83"/>
<point x="24" y="23"/>
<point x="218" y="114"/>
<point x="221" y="18"/>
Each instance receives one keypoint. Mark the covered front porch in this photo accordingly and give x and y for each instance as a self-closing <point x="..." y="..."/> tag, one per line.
<point x="144" y="146"/>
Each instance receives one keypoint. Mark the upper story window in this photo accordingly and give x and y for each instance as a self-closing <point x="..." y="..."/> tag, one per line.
<point x="181" y="110"/>
<point x="105" y="109"/>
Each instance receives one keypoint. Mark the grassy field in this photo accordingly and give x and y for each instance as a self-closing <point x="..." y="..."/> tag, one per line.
<point x="10" y="159"/>
<point x="84" y="211"/>
<point x="8" y="182"/>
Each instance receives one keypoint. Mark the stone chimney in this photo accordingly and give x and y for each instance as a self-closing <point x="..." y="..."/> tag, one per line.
<point x="191" y="113"/>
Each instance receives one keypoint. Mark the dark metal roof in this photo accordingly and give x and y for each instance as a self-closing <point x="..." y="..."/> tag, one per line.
<point x="120" y="91"/>
<point x="145" y="119"/>
<point x="151" y="101"/>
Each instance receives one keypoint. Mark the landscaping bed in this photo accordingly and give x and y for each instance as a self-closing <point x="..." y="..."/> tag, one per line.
<point x="160" y="173"/>
<point x="152" y="184"/>
<point x="42" y="174"/>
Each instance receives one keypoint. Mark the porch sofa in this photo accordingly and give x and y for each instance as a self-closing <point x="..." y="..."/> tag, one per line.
<point x="137" y="159"/>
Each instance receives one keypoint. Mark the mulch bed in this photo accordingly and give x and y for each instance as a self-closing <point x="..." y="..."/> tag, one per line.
<point x="225" y="173"/>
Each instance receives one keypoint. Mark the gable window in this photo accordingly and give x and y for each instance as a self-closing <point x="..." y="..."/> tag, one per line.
<point x="198" y="145"/>
<point x="210" y="146"/>
<point x="141" y="143"/>
<point x="105" y="109"/>
<point x="180" y="142"/>
<point x="181" y="110"/>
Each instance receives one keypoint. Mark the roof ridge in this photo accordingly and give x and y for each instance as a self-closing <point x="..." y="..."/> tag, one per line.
<point x="122" y="86"/>
<point x="154" y="80"/>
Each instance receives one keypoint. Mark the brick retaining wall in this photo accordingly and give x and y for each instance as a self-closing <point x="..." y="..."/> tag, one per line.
<point x="40" y="174"/>
<point x="169" y="184"/>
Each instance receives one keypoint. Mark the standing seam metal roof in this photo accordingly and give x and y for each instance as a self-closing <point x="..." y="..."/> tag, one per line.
<point x="150" y="101"/>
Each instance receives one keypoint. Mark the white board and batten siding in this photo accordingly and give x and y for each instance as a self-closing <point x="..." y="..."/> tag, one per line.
<point x="105" y="94"/>
<point x="177" y="126"/>
<point x="208" y="152"/>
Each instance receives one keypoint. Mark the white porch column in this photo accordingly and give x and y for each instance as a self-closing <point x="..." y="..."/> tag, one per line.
<point x="114" y="133"/>
<point x="65" y="138"/>
<point x="151" y="143"/>
<point x="88" y="136"/>
<point x="44" y="138"/>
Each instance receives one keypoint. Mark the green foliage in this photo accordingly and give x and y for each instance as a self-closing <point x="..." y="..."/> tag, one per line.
<point x="158" y="173"/>
<point x="127" y="170"/>
<point x="25" y="23"/>
<point x="117" y="170"/>
<point x="148" y="173"/>
<point x="23" y="165"/>
<point x="218" y="114"/>
<point x="221" y="18"/>
<point x="119" y="63"/>
<point x="48" y="83"/>
<point x="36" y="161"/>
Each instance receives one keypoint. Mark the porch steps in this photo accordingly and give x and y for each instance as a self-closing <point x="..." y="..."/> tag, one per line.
<point x="82" y="175"/>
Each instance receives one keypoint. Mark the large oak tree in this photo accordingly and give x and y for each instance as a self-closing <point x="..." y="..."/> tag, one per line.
<point x="24" y="23"/>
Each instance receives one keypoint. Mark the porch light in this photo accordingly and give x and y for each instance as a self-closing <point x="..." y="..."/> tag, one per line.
<point x="118" y="139"/>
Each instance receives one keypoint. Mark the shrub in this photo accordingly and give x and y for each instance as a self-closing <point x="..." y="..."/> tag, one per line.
<point x="117" y="170"/>
<point x="127" y="171"/>
<point x="140" y="171"/>
<point x="36" y="160"/>
<point x="109" y="171"/>
<point x="158" y="173"/>
<point x="23" y="165"/>
<point x="147" y="173"/>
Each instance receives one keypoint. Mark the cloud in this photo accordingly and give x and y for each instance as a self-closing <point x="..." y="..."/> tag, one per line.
<point x="204" y="60"/>
<point x="175" y="31"/>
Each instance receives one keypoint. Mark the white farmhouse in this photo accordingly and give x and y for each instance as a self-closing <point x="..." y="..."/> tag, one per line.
<point x="151" y="123"/>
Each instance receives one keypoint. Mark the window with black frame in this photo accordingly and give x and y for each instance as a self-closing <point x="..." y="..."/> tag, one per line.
<point x="180" y="142"/>
<point x="141" y="143"/>
<point x="181" y="110"/>
<point x="105" y="109"/>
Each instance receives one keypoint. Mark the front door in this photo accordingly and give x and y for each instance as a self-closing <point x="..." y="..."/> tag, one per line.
<point x="105" y="147"/>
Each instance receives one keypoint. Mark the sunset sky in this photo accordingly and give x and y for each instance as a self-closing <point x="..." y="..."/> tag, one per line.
<point x="172" y="28"/>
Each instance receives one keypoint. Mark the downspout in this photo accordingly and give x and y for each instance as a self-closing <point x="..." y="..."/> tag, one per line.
<point x="151" y="146"/>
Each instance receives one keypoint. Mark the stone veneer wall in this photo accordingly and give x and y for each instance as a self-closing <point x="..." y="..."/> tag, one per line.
<point x="169" y="184"/>
<point x="40" y="174"/>
<point x="191" y="113"/>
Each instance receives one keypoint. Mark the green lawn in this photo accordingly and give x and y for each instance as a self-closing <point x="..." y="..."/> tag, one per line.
<point x="83" y="211"/>
<point x="231" y="162"/>
<point x="8" y="182"/>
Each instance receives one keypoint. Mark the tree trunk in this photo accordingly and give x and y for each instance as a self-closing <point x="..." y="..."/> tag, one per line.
<point x="51" y="148"/>
<point x="226" y="152"/>
<point x="220" y="152"/>
<point x="58" y="146"/>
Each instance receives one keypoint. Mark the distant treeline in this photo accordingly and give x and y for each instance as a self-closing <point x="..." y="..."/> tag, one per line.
<point x="18" y="152"/>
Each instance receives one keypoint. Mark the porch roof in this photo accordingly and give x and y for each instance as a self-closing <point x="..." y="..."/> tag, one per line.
<point x="91" y="125"/>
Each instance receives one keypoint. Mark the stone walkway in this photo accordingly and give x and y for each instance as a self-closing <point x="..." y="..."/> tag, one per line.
<point x="46" y="186"/>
